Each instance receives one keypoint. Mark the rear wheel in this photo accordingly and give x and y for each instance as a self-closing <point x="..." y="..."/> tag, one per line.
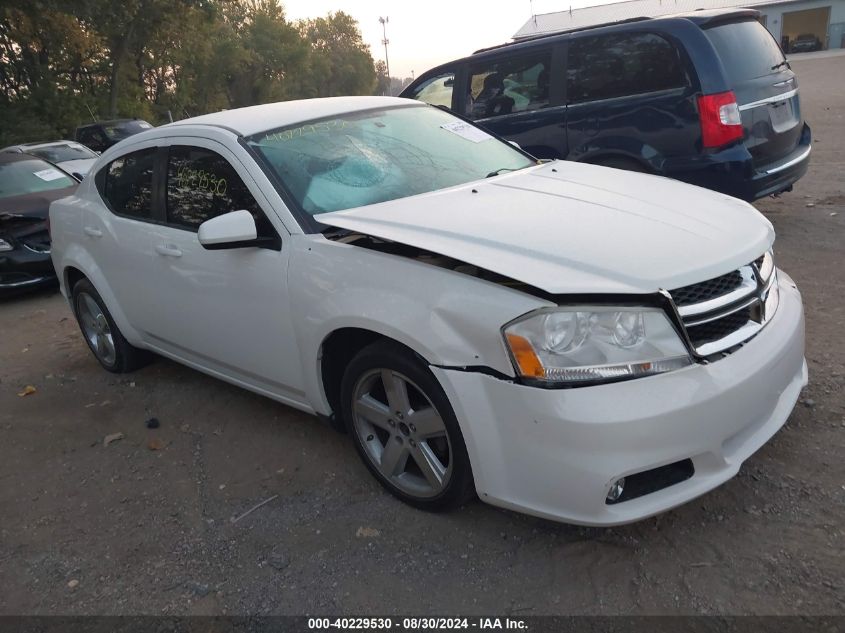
<point x="620" y="162"/>
<point x="101" y="333"/>
<point x="404" y="428"/>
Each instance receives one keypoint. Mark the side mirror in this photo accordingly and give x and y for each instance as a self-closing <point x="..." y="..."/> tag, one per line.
<point x="230" y="230"/>
<point x="515" y="144"/>
<point x="78" y="176"/>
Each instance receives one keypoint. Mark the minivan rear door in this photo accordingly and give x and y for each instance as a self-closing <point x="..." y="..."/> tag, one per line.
<point x="766" y="89"/>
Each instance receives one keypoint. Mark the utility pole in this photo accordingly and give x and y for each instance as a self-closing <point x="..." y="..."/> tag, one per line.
<point x="385" y="41"/>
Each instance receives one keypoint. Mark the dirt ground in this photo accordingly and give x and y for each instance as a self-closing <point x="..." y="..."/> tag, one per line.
<point x="123" y="529"/>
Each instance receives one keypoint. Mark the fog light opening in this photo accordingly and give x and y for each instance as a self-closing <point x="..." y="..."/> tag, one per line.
<point x="616" y="490"/>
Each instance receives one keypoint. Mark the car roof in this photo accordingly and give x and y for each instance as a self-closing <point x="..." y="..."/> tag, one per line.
<point x="25" y="146"/>
<point x="701" y="18"/>
<point x="259" y="118"/>
<point x="106" y="122"/>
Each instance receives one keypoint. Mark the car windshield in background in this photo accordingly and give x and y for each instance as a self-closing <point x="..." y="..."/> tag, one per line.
<point x="60" y="153"/>
<point x="363" y="158"/>
<point x="751" y="50"/>
<point x="30" y="176"/>
<point x="119" y="131"/>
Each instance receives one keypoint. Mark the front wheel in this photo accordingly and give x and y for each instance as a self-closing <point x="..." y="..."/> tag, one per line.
<point x="404" y="428"/>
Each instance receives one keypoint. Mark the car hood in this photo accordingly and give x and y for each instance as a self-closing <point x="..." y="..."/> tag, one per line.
<point x="79" y="166"/>
<point x="568" y="227"/>
<point x="35" y="205"/>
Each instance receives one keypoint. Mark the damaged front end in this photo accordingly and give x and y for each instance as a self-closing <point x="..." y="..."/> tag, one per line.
<point x="24" y="252"/>
<point x="431" y="258"/>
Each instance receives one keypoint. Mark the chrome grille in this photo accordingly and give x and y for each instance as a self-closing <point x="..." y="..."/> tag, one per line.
<point x="722" y="312"/>
<point x="717" y="329"/>
<point x="706" y="290"/>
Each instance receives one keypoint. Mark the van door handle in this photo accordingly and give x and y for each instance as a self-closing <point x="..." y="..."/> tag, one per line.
<point x="168" y="250"/>
<point x="92" y="231"/>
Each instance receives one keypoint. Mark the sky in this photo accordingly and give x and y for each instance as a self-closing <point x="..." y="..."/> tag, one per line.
<point x="425" y="33"/>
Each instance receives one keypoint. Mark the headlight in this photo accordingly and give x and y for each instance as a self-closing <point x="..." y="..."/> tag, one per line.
<point x="589" y="344"/>
<point x="5" y="246"/>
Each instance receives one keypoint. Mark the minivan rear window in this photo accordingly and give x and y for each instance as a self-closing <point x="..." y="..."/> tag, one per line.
<point x="747" y="50"/>
<point x="622" y="64"/>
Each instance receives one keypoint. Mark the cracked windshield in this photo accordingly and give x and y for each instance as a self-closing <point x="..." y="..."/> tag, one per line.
<point x="368" y="157"/>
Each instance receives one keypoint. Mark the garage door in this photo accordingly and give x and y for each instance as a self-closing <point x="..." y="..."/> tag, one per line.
<point x="805" y="31"/>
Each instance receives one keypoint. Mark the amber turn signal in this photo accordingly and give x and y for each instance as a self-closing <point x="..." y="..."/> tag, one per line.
<point x="527" y="361"/>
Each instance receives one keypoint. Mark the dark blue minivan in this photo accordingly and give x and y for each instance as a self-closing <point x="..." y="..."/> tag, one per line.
<point x="705" y="97"/>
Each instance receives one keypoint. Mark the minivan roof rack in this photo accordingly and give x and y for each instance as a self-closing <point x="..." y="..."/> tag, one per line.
<point x="703" y="18"/>
<point x="542" y="36"/>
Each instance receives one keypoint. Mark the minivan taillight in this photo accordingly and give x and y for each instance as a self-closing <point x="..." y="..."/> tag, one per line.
<point x="720" y="119"/>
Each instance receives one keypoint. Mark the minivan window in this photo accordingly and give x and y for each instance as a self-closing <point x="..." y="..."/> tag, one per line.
<point x="128" y="184"/>
<point x="747" y="50"/>
<point x="361" y="158"/>
<point x="201" y="185"/>
<point x="509" y="86"/>
<point x="618" y="65"/>
<point x="436" y="91"/>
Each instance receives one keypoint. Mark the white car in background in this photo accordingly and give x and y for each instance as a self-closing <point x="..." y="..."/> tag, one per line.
<point x="71" y="156"/>
<point x="579" y="343"/>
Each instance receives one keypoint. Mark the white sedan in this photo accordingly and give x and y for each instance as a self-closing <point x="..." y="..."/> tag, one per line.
<point x="585" y="344"/>
<point x="71" y="156"/>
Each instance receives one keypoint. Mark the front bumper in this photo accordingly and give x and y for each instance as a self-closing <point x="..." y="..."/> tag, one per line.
<point x="555" y="453"/>
<point x="22" y="269"/>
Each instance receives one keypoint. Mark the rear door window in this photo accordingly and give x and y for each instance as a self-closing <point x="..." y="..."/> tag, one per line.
<point x="128" y="184"/>
<point x="747" y="50"/>
<point x="619" y="65"/>
<point x="201" y="185"/>
<point x="509" y="86"/>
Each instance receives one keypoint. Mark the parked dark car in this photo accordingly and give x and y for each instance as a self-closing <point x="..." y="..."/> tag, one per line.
<point x="101" y="135"/>
<point x="706" y="97"/>
<point x="27" y="187"/>
<point x="805" y="43"/>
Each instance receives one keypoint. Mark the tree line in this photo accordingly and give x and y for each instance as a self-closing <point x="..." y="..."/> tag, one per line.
<point x="63" y="62"/>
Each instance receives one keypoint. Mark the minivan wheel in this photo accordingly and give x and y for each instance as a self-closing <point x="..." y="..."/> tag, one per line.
<point x="101" y="334"/>
<point x="619" y="162"/>
<point x="404" y="428"/>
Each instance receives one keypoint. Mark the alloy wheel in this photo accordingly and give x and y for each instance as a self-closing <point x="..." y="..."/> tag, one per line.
<point x="95" y="327"/>
<point x="402" y="432"/>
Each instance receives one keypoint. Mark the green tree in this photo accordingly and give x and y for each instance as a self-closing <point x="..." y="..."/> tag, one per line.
<point x="63" y="59"/>
<point x="341" y="63"/>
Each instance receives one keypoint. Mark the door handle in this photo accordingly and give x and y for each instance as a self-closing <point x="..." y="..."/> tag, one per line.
<point x="168" y="250"/>
<point x="92" y="231"/>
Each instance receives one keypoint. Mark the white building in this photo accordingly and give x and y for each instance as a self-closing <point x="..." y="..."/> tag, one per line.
<point x="785" y="19"/>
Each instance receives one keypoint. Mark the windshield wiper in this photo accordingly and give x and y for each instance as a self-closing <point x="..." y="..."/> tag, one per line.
<point x="333" y="232"/>
<point x="496" y="172"/>
<point x="779" y="64"/>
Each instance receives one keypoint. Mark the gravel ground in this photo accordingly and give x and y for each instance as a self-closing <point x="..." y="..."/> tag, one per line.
<point x="145" y="525"/>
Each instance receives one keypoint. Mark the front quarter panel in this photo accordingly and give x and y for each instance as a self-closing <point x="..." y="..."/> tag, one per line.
<point x="449" y="318"/>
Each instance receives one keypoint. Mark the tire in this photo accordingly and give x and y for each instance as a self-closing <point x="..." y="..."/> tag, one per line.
<point x="101" y="333"/>
<point x="414" y="447"/>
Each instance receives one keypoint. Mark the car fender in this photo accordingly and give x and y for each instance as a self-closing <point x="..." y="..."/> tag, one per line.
<point x="75" y="256"/>
<point x="449" y="318"/>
